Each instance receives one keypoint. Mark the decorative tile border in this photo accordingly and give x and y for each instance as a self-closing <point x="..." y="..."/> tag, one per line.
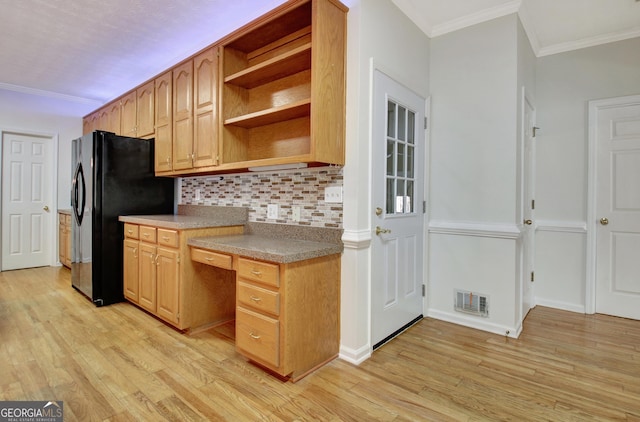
<point x="301" y="188"/>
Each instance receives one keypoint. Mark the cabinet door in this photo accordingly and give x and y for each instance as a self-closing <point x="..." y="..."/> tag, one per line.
<point x="128" y="115"/>
<point x="62" y="237"/>
<point x="103" y="119"/>
<point x="145" y="102"/>
<point x="183" y="116"/>
<point x="205" y="104"/>
<point x="67" y="241"/>
<point x="147" y="276"/>
<point x="114" y="117"/>
<point x="86" y="125"/>
<point x="131" y="269"/>
<point x="168" y="285"/>
<point x="164" y="120"/>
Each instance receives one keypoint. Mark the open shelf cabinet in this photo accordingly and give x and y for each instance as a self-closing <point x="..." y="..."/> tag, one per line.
<point x="283" y="87"/>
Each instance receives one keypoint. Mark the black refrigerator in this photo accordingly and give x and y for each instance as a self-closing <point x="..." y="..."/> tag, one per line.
<point x="112" y="176"/>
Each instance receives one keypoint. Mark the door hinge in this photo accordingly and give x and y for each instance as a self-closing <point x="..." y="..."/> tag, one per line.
<point x="533" y="204"/>
<point x="533" y="276"/>
<point x="424" y="207"/>
<point x="425" y="122"/>
<point x="423" y="290"/>
<point x="534" y="130"/>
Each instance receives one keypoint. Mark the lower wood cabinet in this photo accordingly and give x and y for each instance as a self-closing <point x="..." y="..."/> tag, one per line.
<point x="287" y="315"/>
<point x="160" y="277"/>
<point x="64" y="239"/>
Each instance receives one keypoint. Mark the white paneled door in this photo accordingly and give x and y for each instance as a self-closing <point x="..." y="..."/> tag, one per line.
<point x="618" y="208"/>
<point x="528" y="207"/>
<point x="397" y="257"/>
<point x="26" y="201"/>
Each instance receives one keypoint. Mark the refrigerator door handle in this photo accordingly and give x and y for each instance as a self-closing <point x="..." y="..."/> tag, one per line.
<point x="78" y="208"/>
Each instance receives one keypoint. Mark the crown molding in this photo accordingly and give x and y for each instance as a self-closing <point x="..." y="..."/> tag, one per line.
<point x="49" y="94"/>
<point x="589" y="42"/>
<point x="475" y="18"/>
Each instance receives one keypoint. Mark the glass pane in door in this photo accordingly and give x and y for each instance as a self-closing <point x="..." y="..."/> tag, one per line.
<point x="400" y="160"/>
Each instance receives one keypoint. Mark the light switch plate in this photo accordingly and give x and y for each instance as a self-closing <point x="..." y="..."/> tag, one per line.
<point x="333" y="194"/>
<point x="272" y="211"/>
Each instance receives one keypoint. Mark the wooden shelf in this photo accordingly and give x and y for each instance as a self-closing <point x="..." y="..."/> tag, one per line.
<point x="284" y="65"/>
<point x="272" y="115"/>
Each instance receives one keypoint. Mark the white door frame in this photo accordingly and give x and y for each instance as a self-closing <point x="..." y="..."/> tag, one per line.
<point x="53" y="186"/>
<point x="592" y="178"/>
<point x="527" y="186"/>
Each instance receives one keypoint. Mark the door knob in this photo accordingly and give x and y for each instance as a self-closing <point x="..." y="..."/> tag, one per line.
<point x="604" y="221"/>
<point x="528" y="222"/>
<point x="378" y="211"/>
<point x="46" y="208"/>
<point x="380" y="230"/>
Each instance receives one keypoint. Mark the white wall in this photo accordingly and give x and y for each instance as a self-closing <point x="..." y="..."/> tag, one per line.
<point x="31" y="114"/>
<point x="565" y="84"/>
<point x="475" y="194"/>
<point x="377" y="33"/>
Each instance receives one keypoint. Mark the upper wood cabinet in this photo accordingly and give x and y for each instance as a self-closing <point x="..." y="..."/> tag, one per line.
<point x="183" y="116"/>
<point x="205" y="107"/>
<point x="283" y="90"/>
<point x="270" y="93"/>
<point x="145" y="109"/>
<point x="195" y="100"/>
<point x="164" y="123"/>
<point x="128" y="115"/>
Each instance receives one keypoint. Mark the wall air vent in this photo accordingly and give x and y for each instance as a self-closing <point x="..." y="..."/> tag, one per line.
<point x="471" y="303"/>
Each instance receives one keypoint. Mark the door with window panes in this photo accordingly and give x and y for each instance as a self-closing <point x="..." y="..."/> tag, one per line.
<point x="397" y="206"/>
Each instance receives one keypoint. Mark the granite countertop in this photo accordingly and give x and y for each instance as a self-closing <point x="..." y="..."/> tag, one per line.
<point x="267" y="248"/>
<point x="181" y="222"/>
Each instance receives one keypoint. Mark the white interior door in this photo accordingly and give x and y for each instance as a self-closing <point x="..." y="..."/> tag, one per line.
<point x="528" y="242"/>
<point x="618" y="210"/>
<point x="26" y="201"/>
<point x="398" y="218"/>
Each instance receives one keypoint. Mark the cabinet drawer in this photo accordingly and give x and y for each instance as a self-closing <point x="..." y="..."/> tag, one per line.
<point x="211" y="258"/>
<point x="258" y="335"/>
<point x="148" y="234"/>
<point x="262" y="272"/>
<point x="131" y="230"/>
<point x="258" y="298"/>
<point x="168" y="238"/>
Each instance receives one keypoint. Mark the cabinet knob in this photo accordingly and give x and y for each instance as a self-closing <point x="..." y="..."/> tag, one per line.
<point x="254" y="336"/>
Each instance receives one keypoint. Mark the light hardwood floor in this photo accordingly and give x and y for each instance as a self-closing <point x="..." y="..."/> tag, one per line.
<point x="118" y="363"/>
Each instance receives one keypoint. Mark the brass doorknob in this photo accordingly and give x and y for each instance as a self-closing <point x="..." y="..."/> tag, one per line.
<point x="604" y="221"/>
<point x="378" y="211"/>
<point x="528" y="222"/>
<point x="380" y="230"/>
<point x="46" y="208"/>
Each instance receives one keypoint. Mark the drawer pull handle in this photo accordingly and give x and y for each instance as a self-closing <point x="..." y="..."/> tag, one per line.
<point x="129" y="231"/>
<point x="208" y="258"/>
<point x="256" y="299"/>
<point x="254" y="336"/>
<point x="145" y="234"/>
<point x="256" y="273"/>
<point x="165" y="238"/>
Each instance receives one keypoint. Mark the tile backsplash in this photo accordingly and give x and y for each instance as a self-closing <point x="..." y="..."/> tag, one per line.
<point x="288" y="188"/>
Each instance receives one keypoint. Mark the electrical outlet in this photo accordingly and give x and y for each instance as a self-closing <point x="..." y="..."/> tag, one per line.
<point x="333" y="194"/>
<point x="295" y="213"/>
<point x="272" y="211"/>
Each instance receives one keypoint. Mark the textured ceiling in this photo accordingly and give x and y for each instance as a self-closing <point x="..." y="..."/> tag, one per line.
<point x="89" y="51"/>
